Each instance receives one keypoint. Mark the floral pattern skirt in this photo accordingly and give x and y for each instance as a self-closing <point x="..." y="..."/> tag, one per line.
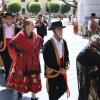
<point x="17" y="81"/>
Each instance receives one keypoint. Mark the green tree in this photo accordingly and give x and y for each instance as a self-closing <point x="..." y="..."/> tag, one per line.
<point x="54" y="7"/>
<point x="34" y="7"/>
<point x="65" y="8"/>
<point x="13" y="6"/>
<point x="47" y="6"/>
<point x="28" y="7"/>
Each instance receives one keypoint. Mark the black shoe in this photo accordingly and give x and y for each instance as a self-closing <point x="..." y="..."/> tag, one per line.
<point x="34" y="99"/>
<point x="19" y="94"/>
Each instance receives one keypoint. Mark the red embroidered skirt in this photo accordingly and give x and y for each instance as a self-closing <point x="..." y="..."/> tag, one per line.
<point x="17" y="81"/>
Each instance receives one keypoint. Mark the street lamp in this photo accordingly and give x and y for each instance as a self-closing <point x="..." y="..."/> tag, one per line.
<point x="49" y="20"/>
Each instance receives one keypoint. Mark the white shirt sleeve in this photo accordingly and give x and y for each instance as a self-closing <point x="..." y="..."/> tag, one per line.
<point x="89" y="24"/>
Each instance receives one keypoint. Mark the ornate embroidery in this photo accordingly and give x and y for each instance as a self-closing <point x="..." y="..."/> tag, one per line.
<point x="49" y="70"/>
<point x="47" y="86"/>
<point x="63" y="52"/>
<point x="56" y="51"/>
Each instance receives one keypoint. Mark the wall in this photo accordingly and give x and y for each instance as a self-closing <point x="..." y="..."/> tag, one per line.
<point x="42" y="2"/>
<point x="90" y="6"/>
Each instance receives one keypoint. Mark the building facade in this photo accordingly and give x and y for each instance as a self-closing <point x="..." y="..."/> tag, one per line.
<point x="24" y="3"/>
<point x="90" y="6"/>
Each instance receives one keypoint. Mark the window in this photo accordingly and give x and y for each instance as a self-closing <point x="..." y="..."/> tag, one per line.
<point x="36" y="0"/>
<point x="48" y="0"/>
<point x="22" y="0"/>
<point x="23" y="11"/>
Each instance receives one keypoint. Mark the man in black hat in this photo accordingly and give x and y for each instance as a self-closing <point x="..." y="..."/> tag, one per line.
<point x="56" y="59"/>
<point x="7" y="32"/>
<point x="92" y="25"/>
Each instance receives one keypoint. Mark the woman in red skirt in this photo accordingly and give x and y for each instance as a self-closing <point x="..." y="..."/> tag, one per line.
<point x="24" y="49"/>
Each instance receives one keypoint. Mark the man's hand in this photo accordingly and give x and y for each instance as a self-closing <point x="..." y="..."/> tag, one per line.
<point x="62" y="70"/>
<point x="67" y="65"/>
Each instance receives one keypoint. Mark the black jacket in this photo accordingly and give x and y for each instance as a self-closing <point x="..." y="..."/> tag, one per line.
<point x="50" y="58"/>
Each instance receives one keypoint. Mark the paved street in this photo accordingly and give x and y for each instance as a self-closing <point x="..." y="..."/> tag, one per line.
<point x="75" y="45"/>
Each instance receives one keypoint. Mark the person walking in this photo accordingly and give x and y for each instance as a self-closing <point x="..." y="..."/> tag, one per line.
<point x="88" y="70"/>
<point x="92" y="25"/>
<point x="56" y="59"/>
<point x="24" y="49"/>
<point x="7" y="32"/>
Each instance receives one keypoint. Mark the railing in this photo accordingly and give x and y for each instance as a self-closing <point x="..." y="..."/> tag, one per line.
<point x="66" y="2"/>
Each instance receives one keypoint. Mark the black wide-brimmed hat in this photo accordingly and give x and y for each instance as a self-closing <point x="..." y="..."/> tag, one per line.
<point x="2" y="14"/>
<point x="93" y="14"/>
<point x="9" y="14"/>
<point x="56" y="24"/>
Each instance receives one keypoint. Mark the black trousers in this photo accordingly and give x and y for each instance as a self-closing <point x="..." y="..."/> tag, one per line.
<point x="56" y="87"/>
<point x="6" y="61"/>
<point x="42" y="36"/>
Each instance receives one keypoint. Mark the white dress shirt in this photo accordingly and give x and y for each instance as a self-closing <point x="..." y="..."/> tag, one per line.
<point x="89" y="24"/>
<point x="9" y="31"/>
<point x="58" y="46"/>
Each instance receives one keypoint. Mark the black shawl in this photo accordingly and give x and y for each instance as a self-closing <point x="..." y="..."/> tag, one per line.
<point x="88" y="82"/>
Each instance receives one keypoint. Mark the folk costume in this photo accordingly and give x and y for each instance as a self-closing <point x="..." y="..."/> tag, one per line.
<point x="88" y="78"/>
<point x="6" y="34"/>
<point x="92" y="25"/>
<point x="24" y="75"/>
<point x="55" y="56"/>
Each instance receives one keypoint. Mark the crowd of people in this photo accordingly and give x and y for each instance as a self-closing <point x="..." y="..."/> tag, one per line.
<point x="20" y="49"/>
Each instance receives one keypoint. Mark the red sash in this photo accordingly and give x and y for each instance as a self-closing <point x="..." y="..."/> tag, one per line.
<point x="93" y="27"/>
<point x="8" y="41"/>
<point x="65" y="77"/>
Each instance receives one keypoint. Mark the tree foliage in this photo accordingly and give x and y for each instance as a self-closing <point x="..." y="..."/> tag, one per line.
<point x="55" y="7"/>
<point x="34" y="7"/>
<point x="28" y="7"/>
<point x="13" y="6"/>
<point x="65" y="8"/>
<point x="47" y="6"/>
<point x="52" y="7"/>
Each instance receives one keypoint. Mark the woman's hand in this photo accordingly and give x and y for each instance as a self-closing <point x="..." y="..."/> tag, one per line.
<point x="20" y="55"/>
<point x="96" y="68"/>
<point x="93" y="69"/>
